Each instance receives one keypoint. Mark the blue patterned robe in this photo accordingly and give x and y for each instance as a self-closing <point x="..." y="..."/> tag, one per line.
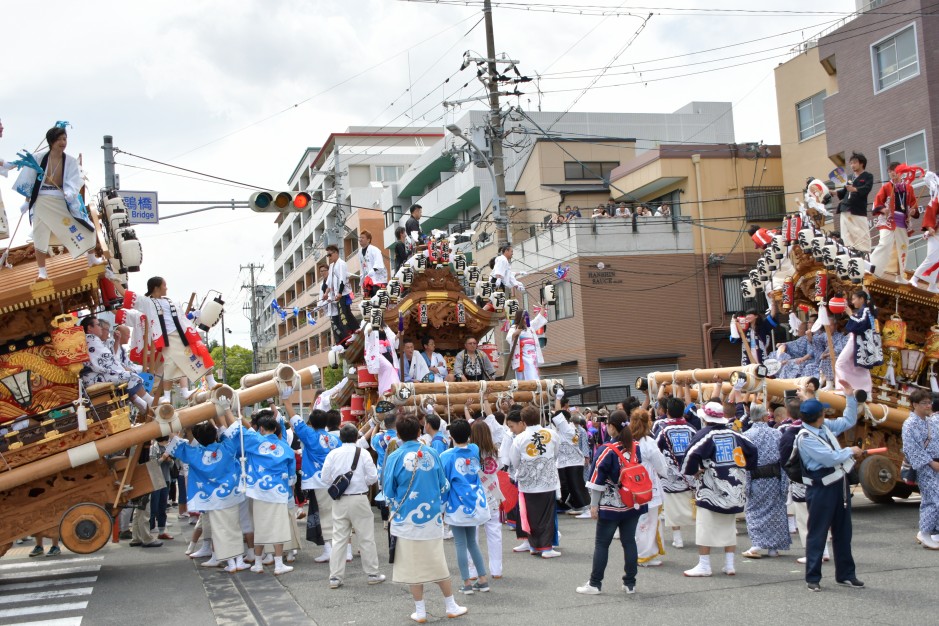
<point x="767" y="523"/>
<point x="795" y="349"/>
<point x="920" y="446"/>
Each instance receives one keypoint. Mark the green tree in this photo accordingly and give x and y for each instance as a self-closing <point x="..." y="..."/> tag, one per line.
<point x="238" y="362"/>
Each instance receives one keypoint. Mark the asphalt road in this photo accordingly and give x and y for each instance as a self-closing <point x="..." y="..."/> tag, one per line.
<point x="122" y="585"/>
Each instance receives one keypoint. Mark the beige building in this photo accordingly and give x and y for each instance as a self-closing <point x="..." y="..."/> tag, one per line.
<point x="719" y="185"/>
<point x="802" y="85"/>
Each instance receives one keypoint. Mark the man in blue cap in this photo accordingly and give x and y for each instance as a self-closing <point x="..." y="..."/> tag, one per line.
<point x="825" y="470"/>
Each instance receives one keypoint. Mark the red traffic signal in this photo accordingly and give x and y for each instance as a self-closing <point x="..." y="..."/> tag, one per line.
<point x="279" y="201"/>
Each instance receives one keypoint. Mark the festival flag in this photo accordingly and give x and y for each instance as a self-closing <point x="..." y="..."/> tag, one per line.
<point x="561" y="271"/>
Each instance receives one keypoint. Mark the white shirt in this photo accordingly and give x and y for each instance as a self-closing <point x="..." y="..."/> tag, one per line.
<point x="437" y="366"/>
<point x="338" y="276"/>
<point x="339" y="461"/>
<point x="503" y="271"/>
<point x="166" y="312"/>
<point x="534" y="455"/>
<point x="373" y="265"/>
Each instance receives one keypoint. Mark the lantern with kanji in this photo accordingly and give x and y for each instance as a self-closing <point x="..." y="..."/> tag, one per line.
<point x="68" y="342"/>
<point x="821" y="286"/>
<point x="788" y="294"/>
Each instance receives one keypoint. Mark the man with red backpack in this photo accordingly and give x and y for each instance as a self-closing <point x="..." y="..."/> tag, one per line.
<point x="718" y="460"/>
<point x="620" y="489"/>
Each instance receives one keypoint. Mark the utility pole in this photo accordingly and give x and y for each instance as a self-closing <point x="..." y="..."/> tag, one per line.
<point x="495" y="132"/>
<point x="255" y="331"/>
<point x="110" y="178"/>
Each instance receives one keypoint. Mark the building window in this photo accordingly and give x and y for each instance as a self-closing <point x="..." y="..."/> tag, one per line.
<point x="910" y="150"/>
<point x="672" y="199"/>
<point x="564" y="302"/>
<point x="734" y="301"/>
<point x="764" y="203"/>
<point x="389" y="173"/>
<point x="589" y="170"/>
<point x="393" y="215"/>
<point x="811" y="115"/>
<point x="895" y="59"/>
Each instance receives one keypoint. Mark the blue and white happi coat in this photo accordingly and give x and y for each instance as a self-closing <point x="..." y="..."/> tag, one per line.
<point x="466" y="502"/>
<point x="767" y="522"/>
<point x="271" y="464"/>
<point x="316" y="445"/>
<point x="214" y="473"/>
<point x="415" y="487"/>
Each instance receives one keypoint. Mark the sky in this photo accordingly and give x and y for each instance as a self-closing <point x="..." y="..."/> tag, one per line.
<point x="239" y="88"/>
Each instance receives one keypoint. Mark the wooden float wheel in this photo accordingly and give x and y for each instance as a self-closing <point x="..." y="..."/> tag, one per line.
<point x="878" y="477"/>
<point x="85" y="528"/>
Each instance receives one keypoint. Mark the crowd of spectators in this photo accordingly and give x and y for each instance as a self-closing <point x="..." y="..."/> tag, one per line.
<point x="611" y="210"/>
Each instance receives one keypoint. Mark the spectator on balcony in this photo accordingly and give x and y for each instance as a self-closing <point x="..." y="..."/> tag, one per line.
<point x="600" y="212"/>
<point x="643" y="211"/>
<point x="623" y="211"/>
<point x="664" y="211"/>
<point x="399" y="249"/>
<point x="572" y="213"/>
<point x="374" y="272"/>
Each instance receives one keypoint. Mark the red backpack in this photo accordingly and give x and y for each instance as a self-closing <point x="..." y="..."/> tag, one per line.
<point x="635" y="485"/>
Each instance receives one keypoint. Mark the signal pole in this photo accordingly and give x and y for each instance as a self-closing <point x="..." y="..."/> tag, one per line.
<point x="255" y="331"/>
<point x="495" y="130"/>
<point x="110" y="178"/>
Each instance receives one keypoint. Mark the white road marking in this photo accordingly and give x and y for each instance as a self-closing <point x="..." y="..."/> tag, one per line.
<point x="50" y="572"/>
<point x="43" y="584"/>
<point x="61" y="621"/>
<point x="35" y="564"/>
<point x="47" y="595"/>
<point x="53" y="608"/>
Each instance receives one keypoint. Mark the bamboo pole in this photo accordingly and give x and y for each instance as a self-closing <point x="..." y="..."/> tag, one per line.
<point x="121" y="441"/>
<point x="280" y="371"/>
<point x="702" y="375"/>
<point x="472" y="387"/>
<point x="776" y="389"/>
<point x="459" y="399"/>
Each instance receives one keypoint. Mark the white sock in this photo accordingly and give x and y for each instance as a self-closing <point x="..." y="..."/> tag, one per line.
<point x="165" y="398"/>
<point x="704" y="560"/>
<point x="240" y="560"/>
<point x="232" y="563"/>
<point x="147" y="398"/>
<point x="210" y="380"/>
<point x="420" y="608"/>
<point x="185" y="393"/>
<point x="676" y="535"/>
<point x="140" y="403"/>
<point x="451" y="604"/>
<point x="278" y="562"/>
<point x="43" y="274"/>
<point x="328" y="547"/>
<point x="729" y="560"/>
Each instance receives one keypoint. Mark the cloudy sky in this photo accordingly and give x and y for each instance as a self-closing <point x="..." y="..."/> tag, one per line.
<point x="238" y="88"/>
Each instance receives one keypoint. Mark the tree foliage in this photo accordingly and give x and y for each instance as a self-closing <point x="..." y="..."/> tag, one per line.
<point x="238" y="362"/>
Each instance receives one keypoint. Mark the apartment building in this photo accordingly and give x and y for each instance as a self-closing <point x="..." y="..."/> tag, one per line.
<point x="346" y="178"/>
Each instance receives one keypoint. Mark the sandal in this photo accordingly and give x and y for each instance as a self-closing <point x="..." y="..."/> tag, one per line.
<point x="752" y="553"/>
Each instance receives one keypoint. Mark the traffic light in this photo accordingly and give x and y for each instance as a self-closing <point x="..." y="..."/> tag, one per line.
<point x="279" y="201"/>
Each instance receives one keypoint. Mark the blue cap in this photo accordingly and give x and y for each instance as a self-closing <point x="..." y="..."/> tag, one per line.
<point x="813" y="407"/>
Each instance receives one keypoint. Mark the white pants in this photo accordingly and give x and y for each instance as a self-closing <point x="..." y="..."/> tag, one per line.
<point x="325" y="504"/>
<point x="801" y="510"/>
<point x="856" y="232"/>
<point x="928" y="270"/>
<point x="51" y="219"/>
<point x="889" y="257"/>
<point x="494" y="543"/>
<point x="348" y="513"/>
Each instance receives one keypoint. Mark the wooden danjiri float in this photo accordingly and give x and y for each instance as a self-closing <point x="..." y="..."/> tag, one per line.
<point x="806" y="272"/>
<point x="70" y="456"/>
<point x="444" y="298"/>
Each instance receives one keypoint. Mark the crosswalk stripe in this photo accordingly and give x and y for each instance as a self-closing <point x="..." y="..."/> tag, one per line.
<point x="52" y="608"/>
<point x="61" y="621"/>
<point x="4" y="587"/>
<point x="35" y="564"/>
<point x="47" y="595"/>
<point x="50" y="572"/>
